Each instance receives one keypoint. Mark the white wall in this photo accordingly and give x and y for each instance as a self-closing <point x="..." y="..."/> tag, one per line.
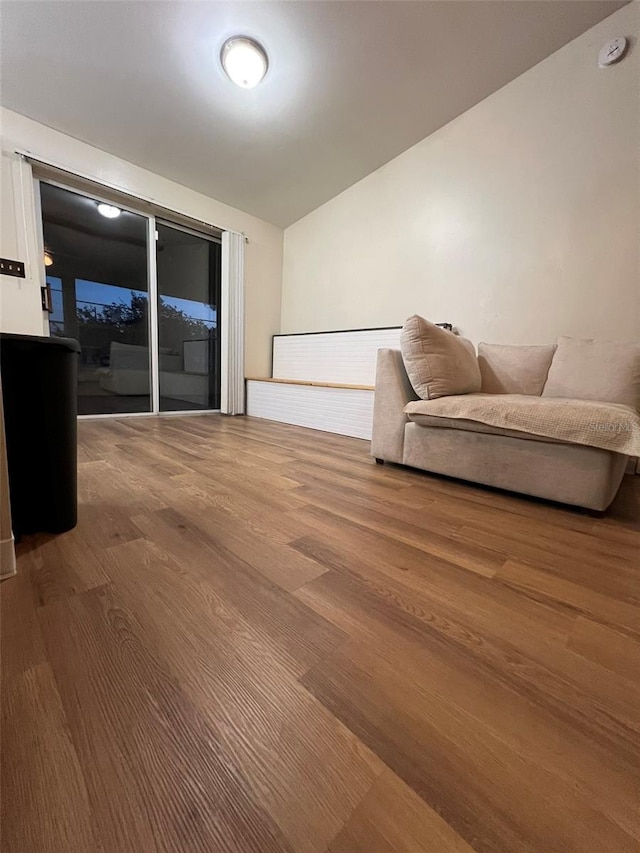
<point x="517" y="222"/>
<point x="20" y="309"/>
<point x="20" y="301"/>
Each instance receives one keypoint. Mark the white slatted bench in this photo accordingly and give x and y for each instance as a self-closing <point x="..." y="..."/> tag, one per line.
<point x="328" y="380"/>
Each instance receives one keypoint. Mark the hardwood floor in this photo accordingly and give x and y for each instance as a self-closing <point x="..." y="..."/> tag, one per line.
<point x="256" y="639"/>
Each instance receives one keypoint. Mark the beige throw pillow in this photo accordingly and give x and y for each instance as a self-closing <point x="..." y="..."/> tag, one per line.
<point x="607" y="371"/>
<point x="514" y="370"/>
<point x="438" y="363"/>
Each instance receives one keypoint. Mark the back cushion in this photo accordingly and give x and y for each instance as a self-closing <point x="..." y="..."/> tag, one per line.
<point x="438" y="363"/>
<point x="514" y="370"/>
<point x="595" y="370"/>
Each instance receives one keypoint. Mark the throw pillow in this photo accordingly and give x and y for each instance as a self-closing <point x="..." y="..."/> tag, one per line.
<point x="607" y="371"/>
<point x="438" y="363"/>
<point x="513" y="369"/>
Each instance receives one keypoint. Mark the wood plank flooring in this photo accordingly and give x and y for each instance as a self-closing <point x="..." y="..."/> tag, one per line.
<point x="258" y="640"/>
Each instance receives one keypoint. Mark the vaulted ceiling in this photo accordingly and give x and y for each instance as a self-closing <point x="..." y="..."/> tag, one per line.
<point x="350" y="84"/>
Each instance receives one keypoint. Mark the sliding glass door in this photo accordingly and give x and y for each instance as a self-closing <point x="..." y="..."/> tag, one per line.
<point x="146" y="312"/>
<point x="188" y="275"/>
<point x="97" y="272"/>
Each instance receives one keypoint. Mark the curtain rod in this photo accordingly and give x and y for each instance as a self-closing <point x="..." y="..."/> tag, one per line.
<point x="74" y="173"/>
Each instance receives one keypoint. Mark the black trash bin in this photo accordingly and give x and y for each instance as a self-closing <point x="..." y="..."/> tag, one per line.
<point x="39" y="388"/>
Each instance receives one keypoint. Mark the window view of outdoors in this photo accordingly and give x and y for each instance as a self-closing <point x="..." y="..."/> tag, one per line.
<point x="188" y="269"/>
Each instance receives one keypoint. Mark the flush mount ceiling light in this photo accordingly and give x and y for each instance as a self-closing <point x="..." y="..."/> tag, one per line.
<point x="109" y="211"/>
<point x="244" y="61"/>
<point x="48" y="260"/>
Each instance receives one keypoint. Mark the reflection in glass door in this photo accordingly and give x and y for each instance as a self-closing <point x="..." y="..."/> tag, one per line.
<point x="188" y="276"/>
<point x="98" y="277"/>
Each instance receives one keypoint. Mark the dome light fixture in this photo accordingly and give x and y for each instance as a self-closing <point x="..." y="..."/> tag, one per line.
<point x="244" y="61"/>
<point x="109" y="211"/>
<point x="48" y="260"/>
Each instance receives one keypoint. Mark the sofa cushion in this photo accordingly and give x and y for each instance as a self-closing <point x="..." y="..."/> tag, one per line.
<point x="476" y="426"/>
<point x="514" y="369"/>
<point x="587" y="369"/>
<point x="610" y="426"/>
<point x="438" y="362"/>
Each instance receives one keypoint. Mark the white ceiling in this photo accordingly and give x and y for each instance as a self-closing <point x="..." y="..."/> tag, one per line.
<point x="350" y="84"/>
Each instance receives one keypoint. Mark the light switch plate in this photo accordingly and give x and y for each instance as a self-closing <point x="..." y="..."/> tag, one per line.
<point x="8" y="267"/>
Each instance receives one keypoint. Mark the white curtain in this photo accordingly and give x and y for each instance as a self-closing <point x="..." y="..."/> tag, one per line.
<point x="232" y="335"/>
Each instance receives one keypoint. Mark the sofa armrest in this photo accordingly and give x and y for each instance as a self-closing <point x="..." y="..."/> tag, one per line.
<point x="393" y="392"/>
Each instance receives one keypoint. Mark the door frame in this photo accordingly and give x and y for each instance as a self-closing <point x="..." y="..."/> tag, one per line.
<point x="154" y="332"/>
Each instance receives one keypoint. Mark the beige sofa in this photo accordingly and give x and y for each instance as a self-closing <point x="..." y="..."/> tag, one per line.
<point x="551" y="468"/>
<point x="129" y="372"/>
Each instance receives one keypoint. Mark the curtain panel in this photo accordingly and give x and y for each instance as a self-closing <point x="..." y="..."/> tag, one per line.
<point x="232" y="396"/>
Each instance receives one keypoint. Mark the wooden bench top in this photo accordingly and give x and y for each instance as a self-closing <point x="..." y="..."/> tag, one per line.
<point x="309" y="382"/>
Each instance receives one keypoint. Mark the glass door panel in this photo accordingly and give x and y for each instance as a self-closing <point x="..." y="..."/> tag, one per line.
<point x="100" y="296"/>
<point x="188" y="276"/>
